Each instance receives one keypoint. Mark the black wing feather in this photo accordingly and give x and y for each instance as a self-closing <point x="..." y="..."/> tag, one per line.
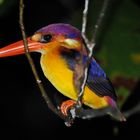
<point x="102" y="86"/>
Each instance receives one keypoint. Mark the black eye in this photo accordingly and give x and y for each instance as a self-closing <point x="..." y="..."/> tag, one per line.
<point x="46" y="38"/>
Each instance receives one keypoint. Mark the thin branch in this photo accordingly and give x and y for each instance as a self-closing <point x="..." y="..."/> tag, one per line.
<point x="99" y="20"/>
<point x="84" y="22"/>
<point x="90" y="46"/>
<point x="92" y="113"/>
<point x="30" y="60"/>
<point x="81" y="70"/>
<point x="132" y="111"/>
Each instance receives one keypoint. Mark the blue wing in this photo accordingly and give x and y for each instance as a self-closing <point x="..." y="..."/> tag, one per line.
<point x="97" y="80"/>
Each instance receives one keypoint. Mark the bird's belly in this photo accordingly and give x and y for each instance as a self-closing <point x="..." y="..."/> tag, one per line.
<point x="61" y="77"/>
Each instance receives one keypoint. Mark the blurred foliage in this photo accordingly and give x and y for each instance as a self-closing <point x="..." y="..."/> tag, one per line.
<point x="121" y="46"/>
<point x="6" y="6"/>
<point x="118" y="44"/>
<point x="1" y="2"/>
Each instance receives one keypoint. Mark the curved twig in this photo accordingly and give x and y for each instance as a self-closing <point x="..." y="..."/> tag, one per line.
<point x="132" y="111"/>
<point x="32" y="65"/>
<point x="84" y="22"/>
<point x="90" y="44"/>
<point x="99" y="20"/>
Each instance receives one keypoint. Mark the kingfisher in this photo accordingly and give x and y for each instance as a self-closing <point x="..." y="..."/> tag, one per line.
<point x="60" y="45"/>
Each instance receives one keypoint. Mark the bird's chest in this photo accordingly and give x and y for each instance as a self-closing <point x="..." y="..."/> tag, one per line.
<point x="58" y="73"/>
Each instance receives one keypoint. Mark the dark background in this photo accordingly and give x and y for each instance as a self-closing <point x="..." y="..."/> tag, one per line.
<point x="23" y="113"/>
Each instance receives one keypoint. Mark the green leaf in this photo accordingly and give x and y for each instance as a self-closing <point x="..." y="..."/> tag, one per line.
<point x="121" y="46"/>
<point x="1" y="2"/>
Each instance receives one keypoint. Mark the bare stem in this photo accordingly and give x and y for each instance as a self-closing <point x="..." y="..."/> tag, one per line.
<point x="84" y="22"/>
<point x="132" y="111"/>
<point x="99" y="20"/>
<point x="92" y="113"/>
<point x="90" y="44"/>
<point x="90" y="50"/>
<point x="30" y="60"/>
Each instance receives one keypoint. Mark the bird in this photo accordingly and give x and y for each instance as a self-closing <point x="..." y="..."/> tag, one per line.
<point x="60" y="45"/>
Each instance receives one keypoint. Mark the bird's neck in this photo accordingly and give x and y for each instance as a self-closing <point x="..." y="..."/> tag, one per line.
<point x="54" y="62"/>
<point x="59" y="56"/>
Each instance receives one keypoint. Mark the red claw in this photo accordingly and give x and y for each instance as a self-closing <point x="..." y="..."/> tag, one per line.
<point x="66" y="105"/>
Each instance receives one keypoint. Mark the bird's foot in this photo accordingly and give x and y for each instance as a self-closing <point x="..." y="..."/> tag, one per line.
<point x="71" y="110"/>
<point x="66" y="108"/>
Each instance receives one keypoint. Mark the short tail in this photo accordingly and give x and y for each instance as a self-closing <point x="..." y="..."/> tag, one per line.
<point x="117" y="115"/>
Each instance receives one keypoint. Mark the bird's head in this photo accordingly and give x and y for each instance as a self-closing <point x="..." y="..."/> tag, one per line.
<point x="47" y="38"/>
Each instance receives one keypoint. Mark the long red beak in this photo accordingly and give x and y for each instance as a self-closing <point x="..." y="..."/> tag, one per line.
<point x="18" y="48"/>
